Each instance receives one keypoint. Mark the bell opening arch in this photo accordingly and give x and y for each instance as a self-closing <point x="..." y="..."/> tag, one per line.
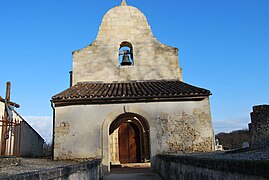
<point x="126" y="57"/>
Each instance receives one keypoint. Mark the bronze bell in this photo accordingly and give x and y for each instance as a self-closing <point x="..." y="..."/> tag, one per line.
<point x="126" y="60"/>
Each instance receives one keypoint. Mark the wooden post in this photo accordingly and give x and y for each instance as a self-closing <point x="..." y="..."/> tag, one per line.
<point x="8" y="91"/>
<point x="5" y="122"/>
<point x="71" y="78"/>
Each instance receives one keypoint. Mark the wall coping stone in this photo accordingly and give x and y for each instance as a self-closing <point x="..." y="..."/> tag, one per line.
<point x="56" y="173"/>
<point x="249" y="167"/>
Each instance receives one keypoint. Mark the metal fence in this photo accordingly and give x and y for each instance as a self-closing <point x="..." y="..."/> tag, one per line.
<point x="10" y="137"/>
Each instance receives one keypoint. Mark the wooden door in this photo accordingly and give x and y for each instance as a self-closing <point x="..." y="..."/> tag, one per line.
<point x="127" y="143"/>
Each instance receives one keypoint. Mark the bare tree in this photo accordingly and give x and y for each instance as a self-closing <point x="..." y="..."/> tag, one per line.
<point x="47" y="150"/>
<point x="234" y="139"/>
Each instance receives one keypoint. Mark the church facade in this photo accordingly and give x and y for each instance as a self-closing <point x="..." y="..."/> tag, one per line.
<point x="128" y="102"/>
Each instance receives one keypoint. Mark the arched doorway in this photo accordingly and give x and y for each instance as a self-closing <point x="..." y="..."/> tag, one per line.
<point x="129" y="143"/>
<point x="129" y="139"/>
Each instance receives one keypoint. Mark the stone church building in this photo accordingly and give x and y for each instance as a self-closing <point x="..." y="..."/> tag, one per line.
<point x="128" y="102"/>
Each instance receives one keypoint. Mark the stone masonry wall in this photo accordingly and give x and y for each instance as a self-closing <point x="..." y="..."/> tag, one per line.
<point x="174" y="127"/>
<point x="100" y="60"/>
<point x="186" y="131"/>
<point x="2" y="107"/>
<point x="259" y="126"/>
<point x="31" y="142"/>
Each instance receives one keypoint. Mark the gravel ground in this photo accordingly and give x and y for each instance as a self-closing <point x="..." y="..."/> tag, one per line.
<point x="31" y="165"/>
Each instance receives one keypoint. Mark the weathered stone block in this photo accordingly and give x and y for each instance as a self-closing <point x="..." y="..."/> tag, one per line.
<point x="259" y="126"/>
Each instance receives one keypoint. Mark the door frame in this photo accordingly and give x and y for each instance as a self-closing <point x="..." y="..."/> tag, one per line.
<point x="134" y="111"/>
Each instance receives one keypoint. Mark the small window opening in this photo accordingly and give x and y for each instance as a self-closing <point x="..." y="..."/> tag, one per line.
<point x="126" y="54"/>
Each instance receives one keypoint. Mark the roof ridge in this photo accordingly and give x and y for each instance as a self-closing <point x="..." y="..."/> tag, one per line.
<point x="129" y="81"/>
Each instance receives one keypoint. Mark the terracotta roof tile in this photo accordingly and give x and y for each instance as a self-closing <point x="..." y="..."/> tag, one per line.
<point x="132" y="90"/>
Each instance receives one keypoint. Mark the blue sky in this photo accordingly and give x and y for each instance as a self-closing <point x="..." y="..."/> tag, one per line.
<point x="223" y="46"/>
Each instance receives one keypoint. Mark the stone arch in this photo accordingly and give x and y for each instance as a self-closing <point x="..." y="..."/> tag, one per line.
<point x="105" y="134"/>
<point x="126" y="50"/>
<point x="140" y="139"/>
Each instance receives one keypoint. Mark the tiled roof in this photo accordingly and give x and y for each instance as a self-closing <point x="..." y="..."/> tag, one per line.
<point x="151" y="90"/>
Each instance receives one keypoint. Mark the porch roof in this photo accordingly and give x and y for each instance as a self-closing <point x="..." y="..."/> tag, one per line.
<point x="131" y="91"/>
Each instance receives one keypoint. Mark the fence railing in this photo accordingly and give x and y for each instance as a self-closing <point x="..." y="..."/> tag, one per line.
<point x="10" y="137"/>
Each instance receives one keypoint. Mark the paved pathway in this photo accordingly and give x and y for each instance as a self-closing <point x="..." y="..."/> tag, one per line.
<point x="134" y="176"/>
<point x="132" y="172"/>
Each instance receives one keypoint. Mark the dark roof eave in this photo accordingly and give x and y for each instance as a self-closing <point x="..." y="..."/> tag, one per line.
<point x="117" y="100"/>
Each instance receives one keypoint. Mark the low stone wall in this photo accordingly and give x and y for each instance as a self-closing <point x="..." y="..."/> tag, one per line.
<point x="88" y="171"/>
<point x="259" y="126"/>
<point x="183" y="167"/>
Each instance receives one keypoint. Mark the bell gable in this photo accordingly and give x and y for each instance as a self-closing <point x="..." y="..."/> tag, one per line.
<point x="125" y="49"/>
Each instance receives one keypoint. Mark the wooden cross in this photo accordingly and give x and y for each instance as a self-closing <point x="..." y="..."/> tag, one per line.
<point x="5" y="119"/>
